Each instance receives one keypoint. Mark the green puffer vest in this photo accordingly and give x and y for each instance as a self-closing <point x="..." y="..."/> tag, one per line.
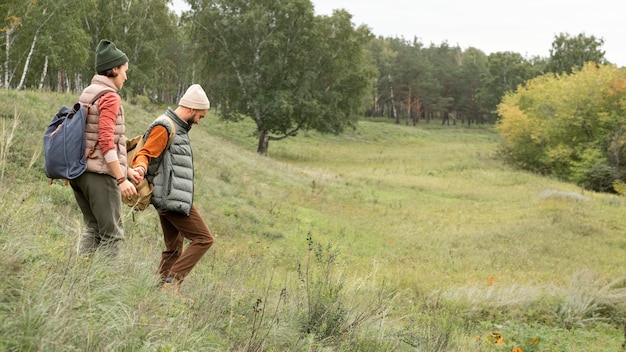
<point x="172" y="171"/>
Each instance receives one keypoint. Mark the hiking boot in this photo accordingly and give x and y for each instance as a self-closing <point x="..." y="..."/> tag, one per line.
<point x="171" y="287"/>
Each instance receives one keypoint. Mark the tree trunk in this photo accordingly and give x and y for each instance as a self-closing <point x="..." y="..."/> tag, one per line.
<point x="20" y="86"/>
<point x="394" y="113"/>
<point x="409" y="106"/>
<point x="61" y="84"/>
<point x="417" y="111"/>
<point x="6" y="61"/>
<point x="43" y="72"/>
<point x="78" y="83"/>
<point x="615" y="147"/>
<point x="375" y="105"/>
<point x="264" y="141"/>
<point x="32" y="48"/>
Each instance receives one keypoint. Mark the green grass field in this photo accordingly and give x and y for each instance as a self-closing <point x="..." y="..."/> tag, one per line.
<point x="385" y="238"/>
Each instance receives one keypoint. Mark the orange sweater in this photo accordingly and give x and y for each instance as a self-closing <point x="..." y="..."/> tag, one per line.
<point x="156" y="143"/>
<point x="109" y="107"/>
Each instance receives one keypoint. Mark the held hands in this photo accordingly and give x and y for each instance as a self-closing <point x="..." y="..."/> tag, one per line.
<point x="126" y="187"/>
<point x="136" y="175"/>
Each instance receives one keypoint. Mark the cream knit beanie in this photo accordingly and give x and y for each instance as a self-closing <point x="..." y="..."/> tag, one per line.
<point x="195" y="98"/>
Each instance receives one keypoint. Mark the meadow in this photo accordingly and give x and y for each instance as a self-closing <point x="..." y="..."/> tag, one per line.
<point x="385" y="238"/>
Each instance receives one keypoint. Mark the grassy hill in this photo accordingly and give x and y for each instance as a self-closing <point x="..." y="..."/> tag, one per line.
<point x="386" y="238"/>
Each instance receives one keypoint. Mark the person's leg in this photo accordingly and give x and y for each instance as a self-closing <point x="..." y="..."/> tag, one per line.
<point x="87" y="241"/>
<point x="173" y="245"/>
<point x="99" y="199"/>
<point x="194" y="229"/>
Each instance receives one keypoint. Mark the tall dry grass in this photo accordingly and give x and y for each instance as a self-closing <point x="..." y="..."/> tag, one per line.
<point x="385" y="238"/>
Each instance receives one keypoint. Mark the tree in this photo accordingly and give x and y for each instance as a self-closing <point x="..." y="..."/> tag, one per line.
<point x="50" y="38"/>
<point x="275" y="62"/>
<point x="569" y="126"/>
<point x="506" y="72"/>
<point x="569" y="53"/>
<point x="445" y="62"/>
<point x="389" y="83"/>
<point x="473" y="69"/>
<point x="144" y="30"/>
<point x="407" y="84"/>
<point x="59" y="44"/>
<point x="13" y="13"/>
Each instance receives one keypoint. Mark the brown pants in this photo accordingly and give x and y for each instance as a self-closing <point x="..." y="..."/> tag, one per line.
<point x="176" y="262"/>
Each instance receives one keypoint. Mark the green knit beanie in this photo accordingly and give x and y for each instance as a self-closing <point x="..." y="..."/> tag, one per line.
<point x="108" y="56"/>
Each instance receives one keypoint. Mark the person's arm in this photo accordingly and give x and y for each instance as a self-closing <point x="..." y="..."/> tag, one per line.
<point x="109" y="106"/>
<point x="154" y="146"/>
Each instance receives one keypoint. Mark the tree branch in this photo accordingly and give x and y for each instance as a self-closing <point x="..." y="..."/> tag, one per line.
<point x="291" y="133"/>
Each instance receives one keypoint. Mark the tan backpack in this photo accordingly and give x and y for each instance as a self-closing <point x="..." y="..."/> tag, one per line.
<point x="141" y="200"/>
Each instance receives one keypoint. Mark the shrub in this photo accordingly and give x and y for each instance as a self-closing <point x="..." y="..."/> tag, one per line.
<point x="600" y="178"/>
<point x="567" y="126"/>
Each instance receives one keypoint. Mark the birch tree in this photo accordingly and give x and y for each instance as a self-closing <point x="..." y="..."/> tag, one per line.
<point x="146" y="31"/>
<point x="46" y="16"/>
<point x="13" y="12"/>
<point x="49" y="35"/>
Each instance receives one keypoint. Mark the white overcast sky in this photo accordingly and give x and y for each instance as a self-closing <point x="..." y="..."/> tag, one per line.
<point x="526" y="27"/>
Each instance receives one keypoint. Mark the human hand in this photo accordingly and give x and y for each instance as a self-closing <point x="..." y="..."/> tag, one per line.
<point x="136" y="174"/>
<point x="127" y="188"/>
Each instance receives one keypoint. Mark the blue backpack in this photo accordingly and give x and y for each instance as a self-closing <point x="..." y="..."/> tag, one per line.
<point x="64" y="142"/>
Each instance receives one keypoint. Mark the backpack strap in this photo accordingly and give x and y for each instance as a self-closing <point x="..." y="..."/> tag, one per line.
<point x="93" y="101"/>
<point x="170" y="137"/>
<point x="98" y="96"/>
<point x="172" y="132"/>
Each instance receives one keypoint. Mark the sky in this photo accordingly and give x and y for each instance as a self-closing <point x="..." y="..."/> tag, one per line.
<point x="525" y="27"/>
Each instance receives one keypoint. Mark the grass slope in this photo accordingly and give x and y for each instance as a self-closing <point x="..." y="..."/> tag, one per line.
<point x="384" y="238"/>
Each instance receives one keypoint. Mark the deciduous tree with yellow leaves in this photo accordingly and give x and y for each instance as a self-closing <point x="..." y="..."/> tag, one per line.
<point x="571" y="126"/>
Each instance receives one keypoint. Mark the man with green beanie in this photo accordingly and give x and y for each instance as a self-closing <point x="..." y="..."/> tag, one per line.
<point x="97" y="191"/>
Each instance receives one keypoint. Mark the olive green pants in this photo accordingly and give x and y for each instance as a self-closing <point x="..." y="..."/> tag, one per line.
<point x="99" y="199"/>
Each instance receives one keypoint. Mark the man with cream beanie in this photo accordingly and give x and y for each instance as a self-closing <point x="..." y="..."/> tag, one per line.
<point x="170" y="170"/>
